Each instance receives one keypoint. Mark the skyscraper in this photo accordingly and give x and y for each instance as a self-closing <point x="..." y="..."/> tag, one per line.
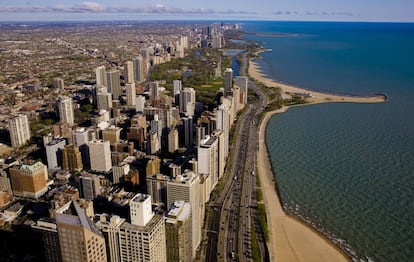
<point x="72" y="158"/>
<point x="178" y="232"/>
<point x="104" y="100"/>
<point x="100" y="155"/>
<point x="100" y="73"/>
<point x="114" y="84"/>
<point x="228" y="81"/>
<point x="154" y="90"/>
<point x="89" y="187"/>
<point x="131" y="94"/>
<point x="129" y="72"/>
<point x="139" y="69"/>
<point x="186" y="187"/>
<point x="242" y="83"/>
<point x="187" y="101"/>
<point x="19" y="130"/>
<point x="54" y="153"/>
<point x="79" y="238"/>
<point x="208" y="159"/>
<point x="172" y="140"/>
<point x="144" y="238"/>
<point x="65" y="108"/>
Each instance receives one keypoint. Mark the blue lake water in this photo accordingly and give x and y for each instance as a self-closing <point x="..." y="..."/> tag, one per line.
<point x="346" y="168"/>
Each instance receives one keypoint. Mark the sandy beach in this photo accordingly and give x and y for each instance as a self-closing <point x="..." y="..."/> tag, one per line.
<point x="290" y="239"/>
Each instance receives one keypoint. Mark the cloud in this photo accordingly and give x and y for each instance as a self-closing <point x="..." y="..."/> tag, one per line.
<point x="93" y="7"/>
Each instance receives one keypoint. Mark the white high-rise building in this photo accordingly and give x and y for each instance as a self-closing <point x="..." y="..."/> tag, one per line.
<point x="100" y="155"/>
<point x="100" y="72"/>
<point x="208" y="159"/>
<point x="139" y="69"/>
<point x="54" y="153"/>
<point x="228" y="81"/>
<point x="131" y="94"/>
<point x="80" y="136"/>
<point x="144" y="238"/>
<point x="187" y="101"/>
<point x="141" y="209"/>
<point x="114" y="84"/>
<point x="177" y="87"/>
<point x="19" y="130"/>
<point x="140" y="103"/>
<point x="129" y="72"/>
<point x="172" y="140"/>
<point x="186" y="187"/>
<point x="223" y="124"/>
<point x="65" y="108"/>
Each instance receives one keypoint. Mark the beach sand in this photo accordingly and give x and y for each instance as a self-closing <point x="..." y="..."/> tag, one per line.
<point x="290" y="239"/>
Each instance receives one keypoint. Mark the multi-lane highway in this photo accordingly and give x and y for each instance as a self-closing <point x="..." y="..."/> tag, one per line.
<point x="231" y="214"/>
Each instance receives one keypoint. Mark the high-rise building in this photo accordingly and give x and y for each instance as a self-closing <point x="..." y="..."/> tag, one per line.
<point x="59" y="84"/>
<point x="112" y="134"/>
<point x="242" y="83"/>
<point x="139" y="69"/>
<point x="187" y="101"/>
<point x="221" y="156"/>
<point x="29" y="180"/>
<point x="228" y="81"/>
<point x="119" y="171"/>
<point x="65" y="108"/>
<point x="129" y="72"/>
<point x="100" y="72"/>
<point x="47" y="230"/>
<point x="153" y="166"/>
<point x="131" y="94"/>
<point x="140" y="104"/>
<point x="104" y="100"/>
<point x="79" y="238"/>
<point x="154" y="90"/>
<point x="208" y="159"/>
<point x="110" y="227"/>
<point x="81" y="139"/>
<point x="54" y="153"/>
<point x="89" y="186"/>
<point x="188" y="132"/>
<point x="157" y="188"/>
<point x="154" y="143"/>
<point x="72" y="158"/>
<point x="173" y="140"/>
<point x="19" y="130"/>
<point x="100" y="155"/>
<point x="114" y="84"/>
<point x="177" y="87"/>
<point x="186" y="187"/>
<point x="178" y="232"/>
<point x="144" y="238"/>
<point x="223" y="124"/>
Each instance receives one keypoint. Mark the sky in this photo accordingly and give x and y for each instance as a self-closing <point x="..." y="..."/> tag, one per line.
<point x="302" y="10"/>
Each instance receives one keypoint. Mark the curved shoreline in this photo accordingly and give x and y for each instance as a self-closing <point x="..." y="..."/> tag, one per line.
<point x="291" y="239"/>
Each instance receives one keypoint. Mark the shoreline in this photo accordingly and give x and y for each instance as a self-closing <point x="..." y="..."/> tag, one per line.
<point x="290" y="238"/>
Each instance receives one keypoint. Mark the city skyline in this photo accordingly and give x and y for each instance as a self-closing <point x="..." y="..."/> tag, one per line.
<point x="314" y="10"/>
